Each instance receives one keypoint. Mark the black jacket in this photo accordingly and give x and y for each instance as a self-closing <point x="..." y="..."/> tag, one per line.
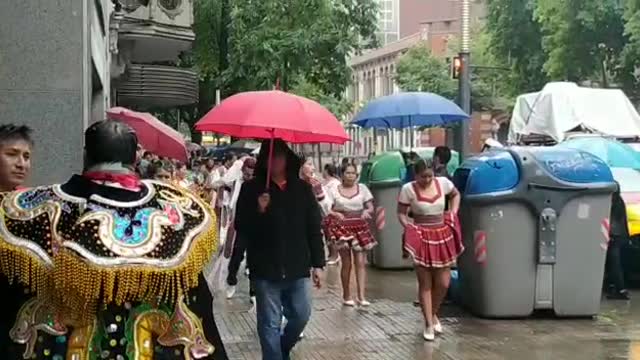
<point x="618" y="223"/>
<point x="284" y="242"/>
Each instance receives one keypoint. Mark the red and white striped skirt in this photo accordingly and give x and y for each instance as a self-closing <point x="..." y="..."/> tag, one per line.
<point x="434" y="243"/>
<point x="351" y="233"/>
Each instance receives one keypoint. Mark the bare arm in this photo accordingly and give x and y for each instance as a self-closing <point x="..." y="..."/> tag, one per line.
<point x="403" y="215"/>
<point x="368" y="210"/>
<point x="454" y="197"/>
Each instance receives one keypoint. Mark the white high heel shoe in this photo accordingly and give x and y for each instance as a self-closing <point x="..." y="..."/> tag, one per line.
<point x="429" y="334"/>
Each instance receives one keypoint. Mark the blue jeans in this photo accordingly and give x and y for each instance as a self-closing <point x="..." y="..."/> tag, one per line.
<point x="274" y="299"/>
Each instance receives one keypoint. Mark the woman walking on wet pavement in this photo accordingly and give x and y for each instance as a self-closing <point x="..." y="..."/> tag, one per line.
<point x="330" y="181"/>
<point x="349" y="230"/>
<point x="433" y="238"/>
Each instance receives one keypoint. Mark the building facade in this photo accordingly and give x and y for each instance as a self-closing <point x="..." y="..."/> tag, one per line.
<point x="151" y="36"/>
<point x="388" y="21"/>
<point x="63" y="64"/>
<point x="54" y="77"/>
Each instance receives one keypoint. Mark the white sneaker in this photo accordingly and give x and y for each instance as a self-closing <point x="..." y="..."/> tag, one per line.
<point x="428" y="334"/>
<point x="231" y="290"/>
<point x="437" y="327"/>
<point x="302" y="335"/>
<point x="252" y="300"/>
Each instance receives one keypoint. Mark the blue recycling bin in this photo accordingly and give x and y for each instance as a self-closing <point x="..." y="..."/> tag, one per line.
<point x="534" y="223"/>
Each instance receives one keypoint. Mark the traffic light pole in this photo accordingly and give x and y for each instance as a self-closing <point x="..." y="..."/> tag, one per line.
<point x="464" y="88"/>
<point x="462" y="139"/>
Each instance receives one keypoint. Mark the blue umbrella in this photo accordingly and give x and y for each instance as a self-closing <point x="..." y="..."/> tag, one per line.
<point x="614" y="153"/>
<point x="408" y="109"/>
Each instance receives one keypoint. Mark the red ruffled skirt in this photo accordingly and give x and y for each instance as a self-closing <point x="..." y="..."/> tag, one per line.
<point x="350" y="233"/>
<point x="435" y="245"/>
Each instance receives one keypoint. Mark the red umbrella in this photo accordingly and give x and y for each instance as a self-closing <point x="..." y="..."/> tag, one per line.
<point x="154" y="135"/>
<point x="274" y="114"/>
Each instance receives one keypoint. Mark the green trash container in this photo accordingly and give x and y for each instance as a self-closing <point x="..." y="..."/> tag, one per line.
<point x="383" y="174"/>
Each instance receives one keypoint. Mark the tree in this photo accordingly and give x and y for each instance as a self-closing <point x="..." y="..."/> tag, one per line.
<point x="627" y="74"/>
<point x="340" y="107"/>
<point x="272" y="39"/>
<point x="515" y="38"/>
<point x="582" y="38"/>
<point x="419" y="70"/>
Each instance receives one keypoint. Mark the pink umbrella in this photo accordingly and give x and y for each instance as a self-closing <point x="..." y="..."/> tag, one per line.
<point x="154" y="135"/>
<point x="274" y="114"/>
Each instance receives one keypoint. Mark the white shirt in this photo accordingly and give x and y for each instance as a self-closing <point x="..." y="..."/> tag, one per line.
<point x="420" y="205"/>
<point x="237" y="185"/>
<point x="356" y="202"/>
<point x="234" y="173"/>
<point x="330" y="184"/>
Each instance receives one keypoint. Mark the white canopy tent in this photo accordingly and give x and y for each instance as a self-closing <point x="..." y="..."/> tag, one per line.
<point x="562" y="107"/>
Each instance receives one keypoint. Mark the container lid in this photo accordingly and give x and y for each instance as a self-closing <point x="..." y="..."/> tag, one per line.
<point x="489" y="172"/>
<point x="572" y="165"/>
<point x="383" y="168"/>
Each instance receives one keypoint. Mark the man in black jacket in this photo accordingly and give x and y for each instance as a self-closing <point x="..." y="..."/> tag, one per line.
<point x="282" y="223"/>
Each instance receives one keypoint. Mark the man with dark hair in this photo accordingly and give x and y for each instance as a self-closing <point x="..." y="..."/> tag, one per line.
<point x="441" y="157"/>
<point x="282" y="223"/>
<point x="113" y="263"/>
<point x="15" y="156"/>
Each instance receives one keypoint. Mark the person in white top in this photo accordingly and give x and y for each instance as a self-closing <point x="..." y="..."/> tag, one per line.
<point x="330" y="181"/>
<point x="350" y="231"/>
<point x="236" y="242"/>
<point x="433" y="238"/>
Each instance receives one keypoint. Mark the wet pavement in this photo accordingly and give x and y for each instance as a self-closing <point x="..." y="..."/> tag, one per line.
<point x="391" y="329"/>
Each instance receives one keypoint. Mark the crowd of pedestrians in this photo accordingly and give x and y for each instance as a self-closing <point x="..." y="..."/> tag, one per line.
<point x="286" y="222"/>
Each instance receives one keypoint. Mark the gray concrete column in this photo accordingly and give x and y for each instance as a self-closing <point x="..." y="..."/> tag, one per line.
<point x="45" y="82"/>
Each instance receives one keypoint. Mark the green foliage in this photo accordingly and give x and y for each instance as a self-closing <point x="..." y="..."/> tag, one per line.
<point x="273" y="39"/>
<point x="419" y="70"/>
<point x="630" y="57"/>
<point x="579" y="35"/>
<point x="569" y="40"/>
<point x="340" y="107"/>
<point x="516" y="39"/>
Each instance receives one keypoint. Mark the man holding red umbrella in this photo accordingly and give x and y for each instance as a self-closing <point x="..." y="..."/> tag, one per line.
<point x="282" y="228"/>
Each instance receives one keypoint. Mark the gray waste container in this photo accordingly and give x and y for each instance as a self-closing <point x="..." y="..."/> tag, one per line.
<point x="383" y="174"/>
<point x="534" y="223"/>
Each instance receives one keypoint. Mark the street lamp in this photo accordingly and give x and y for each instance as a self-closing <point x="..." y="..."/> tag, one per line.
<point x="464" y="84"/>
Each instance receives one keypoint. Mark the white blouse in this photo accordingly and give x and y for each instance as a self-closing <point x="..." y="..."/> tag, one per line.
<point x="420" y="205"/>
<point x="356" y="202"/>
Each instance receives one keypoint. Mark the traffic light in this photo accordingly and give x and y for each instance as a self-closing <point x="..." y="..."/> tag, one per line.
<point x="456" y="67"/>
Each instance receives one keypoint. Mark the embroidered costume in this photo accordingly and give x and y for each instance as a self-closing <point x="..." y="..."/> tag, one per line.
<point x="105" y="273"/>
<point x="435" y="240"/>
<point x="352" y="232"/>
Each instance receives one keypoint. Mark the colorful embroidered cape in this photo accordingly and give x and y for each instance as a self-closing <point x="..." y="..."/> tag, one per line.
<point x="109" y="279"/>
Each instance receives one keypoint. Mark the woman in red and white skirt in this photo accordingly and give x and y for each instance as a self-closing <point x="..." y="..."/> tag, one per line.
<point x="349" y="230"/>
<point x="433" y="238"/>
